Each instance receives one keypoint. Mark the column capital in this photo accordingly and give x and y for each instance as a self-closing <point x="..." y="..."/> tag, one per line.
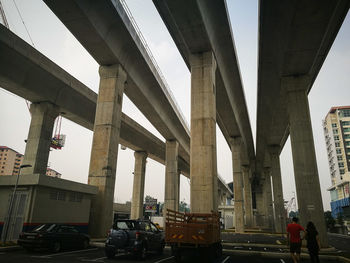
<point x="112" y="71"/>
<point x="274" y="149"/>
<point x="296" y="83"/>
<point x="45" y="107"/>
<point x="235" y="141"/>
<point x="202" y="59"/>
<point x="140" y="154"/>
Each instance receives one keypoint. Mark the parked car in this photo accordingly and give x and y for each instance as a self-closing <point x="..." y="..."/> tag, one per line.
<point x="54" y="237"/>
<point x="137" y="237"/>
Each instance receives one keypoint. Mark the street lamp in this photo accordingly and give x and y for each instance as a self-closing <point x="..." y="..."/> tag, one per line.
<point x="11" y="202"/>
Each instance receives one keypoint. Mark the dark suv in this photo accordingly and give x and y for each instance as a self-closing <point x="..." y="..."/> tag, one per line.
<point x="134" y="236"/>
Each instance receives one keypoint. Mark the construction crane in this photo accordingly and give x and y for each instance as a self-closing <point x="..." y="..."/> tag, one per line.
<point x="58" y="140"/>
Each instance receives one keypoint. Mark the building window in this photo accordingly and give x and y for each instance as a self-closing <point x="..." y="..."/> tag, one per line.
<point x="345" y="113"/>
<point x="335" y="131"/>
<point x="341" y="165"/>
<point x="334" y="125"/>
<point x="346" y="136"/>
<point x="346" y="129"/>
<point x="338" y="151"/>
<point x="346" y="143"/>
<point x="337" y="144"/>
<point x="58" y="195"/>
<point x="336" y="138"/>
<point x="341" y="171"/>
<point x="340" y="158"/>
<point x="346" y="123"/>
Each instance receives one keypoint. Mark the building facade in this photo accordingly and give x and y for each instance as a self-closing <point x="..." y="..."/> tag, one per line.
<point x="10" y="161"/>
<point x="52" y="173"/>
<point x="336" y="127"/>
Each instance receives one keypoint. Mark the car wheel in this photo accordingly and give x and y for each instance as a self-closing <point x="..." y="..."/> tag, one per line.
<point x="161" y="249"/>
<point x="143" y="253"/>
<point x="56" y="246"/>
<point x="109" y="254"/>
<point x="86" y="243"/>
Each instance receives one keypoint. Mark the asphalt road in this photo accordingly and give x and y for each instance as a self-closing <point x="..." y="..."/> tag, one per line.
<point x="97" y="255"/>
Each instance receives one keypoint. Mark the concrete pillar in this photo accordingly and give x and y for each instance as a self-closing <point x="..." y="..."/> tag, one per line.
<point x="39" y="137"/>
<point x="138" y="189"/>
<point x="203" y="169"/>
<point x="269" y="222"/>
<point x="248" y="209"/>
<point x="177" y="197"/>
<point x="237" y="183"/>
<point x="104" y="150"/>
<point x="171" y="200"/>
<point x="260" y="207"/>
<point x="279" y="213"/>
<point x="304" y="157"/>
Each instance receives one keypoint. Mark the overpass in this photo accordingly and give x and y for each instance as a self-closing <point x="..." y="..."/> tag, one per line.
<point x="29" y="74"/>
<point x="294" y="40"/>
<point x="203" y="26"/>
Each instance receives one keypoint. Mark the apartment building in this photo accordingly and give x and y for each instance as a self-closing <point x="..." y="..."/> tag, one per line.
<point x="10" y="161"/>
<point x="336" y="127"/>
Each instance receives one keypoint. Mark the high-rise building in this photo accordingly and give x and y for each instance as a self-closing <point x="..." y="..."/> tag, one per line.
<point x="10" y="161"/>
<point x="336" y="127"/>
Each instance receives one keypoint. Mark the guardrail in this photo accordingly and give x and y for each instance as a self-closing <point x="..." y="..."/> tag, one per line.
<point x="143" y="41"/>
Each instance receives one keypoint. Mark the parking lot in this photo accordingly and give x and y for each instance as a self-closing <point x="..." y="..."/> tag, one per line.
<point x="97" y="255"/>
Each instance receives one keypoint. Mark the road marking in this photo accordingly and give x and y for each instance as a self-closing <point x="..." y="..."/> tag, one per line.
<point x="237" y="247"/>
<point x="278" y="242"/>
<point x="282" y="260"/>
<point x="65" y="253"/>
<point x="1" y="253"/>
<point x="94" y="260"/>
<point x="225" y="259"/>
<point x="164" y="259"/>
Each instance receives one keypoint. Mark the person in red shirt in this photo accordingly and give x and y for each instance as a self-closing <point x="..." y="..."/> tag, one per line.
<point x="294" y="239"/>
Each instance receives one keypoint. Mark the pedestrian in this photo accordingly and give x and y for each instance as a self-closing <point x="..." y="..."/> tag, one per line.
<point x="294" y="239"/>
<point x="313" y="242"/>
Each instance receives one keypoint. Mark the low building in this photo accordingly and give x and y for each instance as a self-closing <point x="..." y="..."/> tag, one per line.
<point x="121" y="211"/>
<point x="10" y="161"/>
<point x="43" y="199"/>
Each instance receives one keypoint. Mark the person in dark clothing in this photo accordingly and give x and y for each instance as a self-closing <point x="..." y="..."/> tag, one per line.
<point x="313" y="242"/>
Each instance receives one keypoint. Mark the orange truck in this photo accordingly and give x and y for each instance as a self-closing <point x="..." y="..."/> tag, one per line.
<point x="193" y="232"/>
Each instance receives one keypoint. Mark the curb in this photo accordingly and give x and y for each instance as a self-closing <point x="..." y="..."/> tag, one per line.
<point x="97" y="244"/>
<point x="10" y="248"/>
<point x="323" y="250"/>
<point x="283" y="255"/>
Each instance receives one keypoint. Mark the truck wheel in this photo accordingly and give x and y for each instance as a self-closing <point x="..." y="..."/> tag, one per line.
<point x="56" y="247"/>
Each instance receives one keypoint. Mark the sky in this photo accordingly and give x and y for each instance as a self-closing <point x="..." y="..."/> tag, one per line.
<point x="51" y="38"/>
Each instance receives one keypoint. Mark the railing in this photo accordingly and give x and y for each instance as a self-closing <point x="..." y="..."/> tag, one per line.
<point x="143" y="41"/>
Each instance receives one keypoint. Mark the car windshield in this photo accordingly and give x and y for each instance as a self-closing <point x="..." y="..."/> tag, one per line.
<point x="45" y="228"/>
<point x="126" y="225"/>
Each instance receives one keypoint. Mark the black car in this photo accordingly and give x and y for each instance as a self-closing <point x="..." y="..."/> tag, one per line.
<point x="137" y="237"/>
<point x="54" y="237"/>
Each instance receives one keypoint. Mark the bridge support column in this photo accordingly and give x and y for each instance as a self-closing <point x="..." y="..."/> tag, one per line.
<point x="203" y="169"/>
<point x="236" y="144"/>
<point x="248" y="209"/>
<point x="177" y="197"/>
<point x="171" y="200"/>
<point x="104" y="150"/>
<point x="269" y="222"/>
<point x="280" y="219"/>
<point x="39" y="137"/>
<point x="304" y="157"/>
<point x="138" y="186"/>
<point x="259" y="201"/>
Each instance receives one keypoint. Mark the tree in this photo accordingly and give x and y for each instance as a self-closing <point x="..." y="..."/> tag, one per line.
<point x="183" y="207"/>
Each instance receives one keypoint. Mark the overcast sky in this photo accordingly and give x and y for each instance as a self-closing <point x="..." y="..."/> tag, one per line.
<point x="50" y="37"/>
